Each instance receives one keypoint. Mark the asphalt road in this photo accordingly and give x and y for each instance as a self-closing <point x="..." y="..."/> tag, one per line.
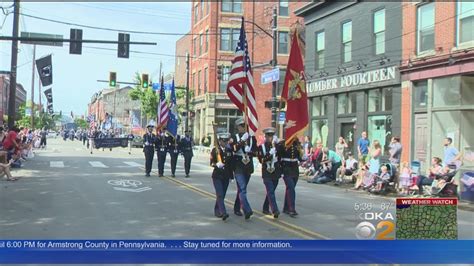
<point x="67" y="193"/>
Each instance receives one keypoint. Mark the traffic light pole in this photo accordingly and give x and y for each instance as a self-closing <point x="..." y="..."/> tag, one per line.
<point x="13" y="67"/>
<point x="274" y="64"/>
<point x="33" y="89"/>
<point x="186" y="125"/>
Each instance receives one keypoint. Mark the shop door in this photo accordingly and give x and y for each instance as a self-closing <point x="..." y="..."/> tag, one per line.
<point x="421" y="137"/>
<point x="347" y="131"/>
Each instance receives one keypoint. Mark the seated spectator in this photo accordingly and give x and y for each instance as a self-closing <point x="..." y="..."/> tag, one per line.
<point x="361" y="175"/>
<point x="5" y="170"/>
<point x="435" y="170"/>
<point x="348" y="168"/>
<point x="330" y="163"/>
<point x="382" y="180"/>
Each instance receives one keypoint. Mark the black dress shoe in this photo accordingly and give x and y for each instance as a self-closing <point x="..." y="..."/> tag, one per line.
<point x="247" y="215"/>
<point x="187" y="176"/>
<point x="161" y="175"/>
<point x="287" y="212"/>
<point x="266" y="212"/>
<point x="218" y="215"/>
<point x="276" y="214"/>
<point x="225" y="216"/>
<point x="147" y="175"/>
<point x="293" y="214"/>
<point x="173" y="175"/>
<point x="238" y="213"/>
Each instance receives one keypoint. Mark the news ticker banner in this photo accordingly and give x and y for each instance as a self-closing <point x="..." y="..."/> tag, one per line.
<point x="236" y="251"/>
<point x="415" y="218"/>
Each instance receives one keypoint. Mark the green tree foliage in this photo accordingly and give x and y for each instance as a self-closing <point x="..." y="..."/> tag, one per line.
<point x="43" y="120"/>
<point x="147" y="97"/>
<point x="81" y="123"/>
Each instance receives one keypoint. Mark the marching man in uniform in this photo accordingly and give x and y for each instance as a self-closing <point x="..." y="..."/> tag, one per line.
<point x="244" y="148"/>
<point x="271" y="169"/>
<point x="291" y="156"/>
<point x="187" y="151"/>
<point x="148" y="148"/>
<point x="161" y="145"/>
<point x="221" y="160"/>
<point x="174" y="150"/>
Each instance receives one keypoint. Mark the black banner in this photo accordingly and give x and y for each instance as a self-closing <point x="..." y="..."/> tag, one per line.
<point x="49" y="95"/>
<point x="111" y="143"/>
<point x="45" y="70"/>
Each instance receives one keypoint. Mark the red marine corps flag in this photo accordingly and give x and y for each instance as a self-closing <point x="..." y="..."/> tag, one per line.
<point x="294" y="93"/>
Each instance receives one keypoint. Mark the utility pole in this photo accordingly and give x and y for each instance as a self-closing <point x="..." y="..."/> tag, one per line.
<point x="274" y="64"/>
<point x="33" y="89"/>
<point x="186" y="127"/>
<point x="14" y="62"/>
<point x="160" y="73"/>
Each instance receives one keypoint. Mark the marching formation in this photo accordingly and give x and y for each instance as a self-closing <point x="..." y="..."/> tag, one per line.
<point x="165" y="143"/>
<point x="232" y="158"/>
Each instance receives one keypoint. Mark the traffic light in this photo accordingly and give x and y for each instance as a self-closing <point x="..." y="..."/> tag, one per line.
<point x="75" y="47"/>
<point x="145" y="81"/>
<point x="112" y="79"/>
<point x="123" y="50"/>
<point x="219" y="72"/>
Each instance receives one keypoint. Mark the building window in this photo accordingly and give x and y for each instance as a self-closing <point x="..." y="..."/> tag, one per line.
<point x="202" y="8"/>
<point x="320" y="44"/>
<point x="207" y="7"/>
<point x="225" y="79"/>
<point x="320" y="131"/>
<point x="380" y="100"/>
<point x="225" y="119"/>
<point x="283" y="42"/>
<point x="465" y="22"/>
<point x="283" y="8"/>
<point x="199" y="81"/>
<point x="281" y="81"/>
<point x="194" y="81"/>
<point x="194" y="46"/>
<point x="379" y="31"/>
<point x="229" y="39"/>
<point x="319" y="106"/>
<point x="205" y="79"/>
<point x="420" y="89"/>
<point x="196" y="14"/>
<point x="425" y="28"/>
<point x="232" y="6"/>
<point x="379" y="128"/>
<point x="200" y="44"/>
<point x="347" y="42"/>
<point x="346" y="103"/>
<point x="207" y="40"/>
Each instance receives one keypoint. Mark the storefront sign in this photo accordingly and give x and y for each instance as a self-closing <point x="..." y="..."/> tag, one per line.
<point x="352" y="80"/>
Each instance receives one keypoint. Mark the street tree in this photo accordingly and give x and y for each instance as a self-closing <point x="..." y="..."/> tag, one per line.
<point x="147" y="97"/>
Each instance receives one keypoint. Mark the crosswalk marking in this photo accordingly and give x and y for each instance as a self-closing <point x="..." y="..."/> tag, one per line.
<point x="56" y="164"/>
<point x="98" y="164"/>
<point x="134" y="164"/>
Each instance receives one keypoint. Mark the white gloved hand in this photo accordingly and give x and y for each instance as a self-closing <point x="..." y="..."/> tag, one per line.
<point x="275" y="139"/>
<point x="245" y="137"/>
<point x="220" y="165"/>
<point x="272" y="151"/>
<point x="247" y="149"/>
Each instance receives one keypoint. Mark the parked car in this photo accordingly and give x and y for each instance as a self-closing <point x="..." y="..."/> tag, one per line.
<point x="137" y="142"/>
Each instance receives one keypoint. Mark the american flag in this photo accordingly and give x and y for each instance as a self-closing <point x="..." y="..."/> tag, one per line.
<point x="163" y="110"/>
<point x="240" y="75"/>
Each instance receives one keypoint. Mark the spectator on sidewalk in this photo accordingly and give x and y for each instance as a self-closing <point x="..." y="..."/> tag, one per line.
<point x="5" y="170"/>
<point x="363" y="145"/>
<point x="348" y="168"/>
<point x="43" y="133"/>
<point x="435" y="170"/>
<point x="395" y="150"/>
<point x="341" y="145"/>
<point x="451" y="155"/>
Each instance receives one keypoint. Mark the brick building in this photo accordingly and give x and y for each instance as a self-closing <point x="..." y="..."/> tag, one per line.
<point x="4" y="87"/>
<point x="437" y="79"/>
<point x="214" y="35"/>
<point x="183" y="46"/>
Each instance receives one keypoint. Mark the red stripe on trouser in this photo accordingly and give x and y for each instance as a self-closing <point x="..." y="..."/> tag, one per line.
<point x="288" y="196"/>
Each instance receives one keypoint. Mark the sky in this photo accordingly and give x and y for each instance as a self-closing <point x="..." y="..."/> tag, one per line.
<point x="75" y="76"/>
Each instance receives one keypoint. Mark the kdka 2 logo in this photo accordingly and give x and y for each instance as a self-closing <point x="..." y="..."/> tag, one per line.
<point x="379" y="225"/>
